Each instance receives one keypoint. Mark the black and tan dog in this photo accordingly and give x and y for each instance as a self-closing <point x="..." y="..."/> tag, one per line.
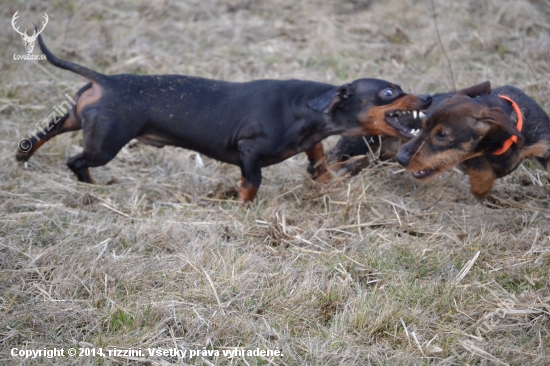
<point x="252" y="125"/>
<point x="489" y="133"/>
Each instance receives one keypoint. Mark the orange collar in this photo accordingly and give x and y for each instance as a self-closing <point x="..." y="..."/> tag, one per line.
<point x="519" y="126"/>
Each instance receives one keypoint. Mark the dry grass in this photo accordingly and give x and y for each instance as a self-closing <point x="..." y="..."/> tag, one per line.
<point x="368" y="270"/>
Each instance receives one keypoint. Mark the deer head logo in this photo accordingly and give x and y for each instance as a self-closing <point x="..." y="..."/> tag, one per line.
<point x="28" y="41"/>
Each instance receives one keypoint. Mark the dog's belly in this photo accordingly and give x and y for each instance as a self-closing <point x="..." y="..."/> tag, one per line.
<point x="226" y="156"/>
<point x="154" y="140"/>
<point x="157" y="140"/>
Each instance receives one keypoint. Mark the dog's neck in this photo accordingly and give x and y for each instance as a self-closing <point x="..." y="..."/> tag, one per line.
<point x="519" y="125"/>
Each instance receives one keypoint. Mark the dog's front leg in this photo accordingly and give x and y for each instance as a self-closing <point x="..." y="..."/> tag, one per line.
<point x="482" y="176"/>
<point x="251" y="170"/>
<point x="316" y="157"/>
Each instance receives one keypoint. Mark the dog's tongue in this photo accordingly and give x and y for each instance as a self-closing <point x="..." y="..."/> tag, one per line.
<point x="392" y="120"/>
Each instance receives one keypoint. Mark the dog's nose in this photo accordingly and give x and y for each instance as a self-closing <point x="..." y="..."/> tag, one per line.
<point x="403" y="158"/>
<point x="427" y="98"/>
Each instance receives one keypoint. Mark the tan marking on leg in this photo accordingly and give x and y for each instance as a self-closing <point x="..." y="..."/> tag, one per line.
<point x="317" y="155"/>
<point x="35" y="147"/>
<point x="316" y="152"/>
<point x="91" y="95"/>
<point x="328" y="175"/>
<point x="70" y="124"/>
<point x="247" y="192"/>
<point x="481" y="181"/>
<point x="87" y="172"/>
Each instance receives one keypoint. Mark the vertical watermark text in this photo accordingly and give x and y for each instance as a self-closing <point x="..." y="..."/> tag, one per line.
<point x="25" y="145"/>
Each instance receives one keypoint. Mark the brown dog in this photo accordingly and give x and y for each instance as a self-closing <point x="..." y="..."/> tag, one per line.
<point x="488" y="133"/>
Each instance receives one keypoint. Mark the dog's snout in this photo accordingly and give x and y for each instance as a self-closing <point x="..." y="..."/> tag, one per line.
<point x="426" y="98"/>
<point x="403" y="158"/>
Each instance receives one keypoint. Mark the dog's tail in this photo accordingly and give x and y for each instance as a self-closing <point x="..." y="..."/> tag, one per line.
<point x="67" y="65"/>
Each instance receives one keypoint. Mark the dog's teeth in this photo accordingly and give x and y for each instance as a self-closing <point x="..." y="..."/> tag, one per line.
<point x="398" y="113"/>
<point x="198" y="161"/>
<point x="415" y="114"/>
<point x="422" y="114"/>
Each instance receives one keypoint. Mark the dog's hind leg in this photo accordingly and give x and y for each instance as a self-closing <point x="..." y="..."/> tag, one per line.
<point x="79" y="166"/>
<point x="103" y="139"/>
<point x="55" y="126"/>
<point x="90" y="158"/>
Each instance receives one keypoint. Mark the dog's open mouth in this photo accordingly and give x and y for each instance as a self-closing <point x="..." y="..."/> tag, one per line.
<point x="400" y="119"/>
<point x="421" y="174"/>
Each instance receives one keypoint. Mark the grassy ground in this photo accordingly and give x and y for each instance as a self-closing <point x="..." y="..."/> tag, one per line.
<point x="368" y="270"/>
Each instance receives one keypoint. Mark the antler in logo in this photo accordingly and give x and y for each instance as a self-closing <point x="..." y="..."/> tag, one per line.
<point x="28" y="41"/>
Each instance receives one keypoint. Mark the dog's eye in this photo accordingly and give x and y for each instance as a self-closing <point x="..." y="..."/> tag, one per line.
<point x="441" y="135"/>
<point x="388" y="93"/>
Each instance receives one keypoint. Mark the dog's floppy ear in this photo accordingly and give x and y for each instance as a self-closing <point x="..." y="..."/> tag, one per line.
<point x="495" y="118"/>
<point x="325" y="103"/>
<point x="476" y="90"/>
